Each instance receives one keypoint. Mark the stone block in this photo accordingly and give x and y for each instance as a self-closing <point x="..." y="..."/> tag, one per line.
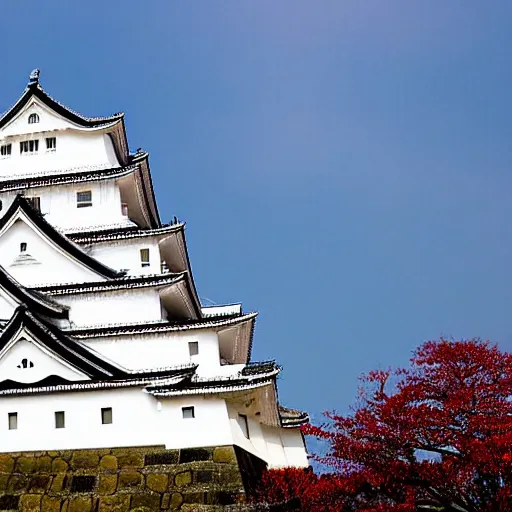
<point x="130" y="460"/>
<point x="6" y="463"/>
<point x="117" y="503"/>
<point x="157" y="482"/>
<point x="129" y="479"/>
<point x="17" y="483"/>
<point x="26" y="465"/>
<point x="4" y="478"/>
<point x="59" y="465"/>
<point x="58" y="482"/>
<point x="30" y="503"/>
<point x="183" y="478"/>
<point x="176" y="501"/>
<point x="39" y="483"/>
<point x="166" y="499"/>
<point x="108" y="463"/>
<point x="194" y="454"/>
<point x="50" y="504"/>
<point x="85" y="460"/>
<point x="229" y="477"/>
<point x="83" y="483"/>
<point x="80" y="504"/>
<point x="148" y="501"/>
<point x="9" y="502"/>
<point x="44" y="464"/>
<point x="161" y="458"/>
<point x="203" y="477"/>
<point x="224" y="455"/>
<point x="194" y="497"/>
<point x="108" y="484"/>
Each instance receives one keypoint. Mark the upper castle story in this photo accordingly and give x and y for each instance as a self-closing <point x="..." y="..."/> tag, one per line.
<point x="77" y="170"/>
<point x="38" y="135"/>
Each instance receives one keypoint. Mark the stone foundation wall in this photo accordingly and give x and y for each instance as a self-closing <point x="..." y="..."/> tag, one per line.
<point x="126" y="479"/>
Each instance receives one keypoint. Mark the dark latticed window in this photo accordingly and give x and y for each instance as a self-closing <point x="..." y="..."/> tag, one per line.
<point x="33" y="119"/>
<point x="13" y="420"/>
<point x="60" y="419"/>
<point x="51" y="144"/>
<point x="106" y="415"/>
<point x="28" y="147"/>
<point x="144" y="257"/>
<point x="84" y="199"/>
<point x="5" y="150"/>
<point x="188" y="413"/>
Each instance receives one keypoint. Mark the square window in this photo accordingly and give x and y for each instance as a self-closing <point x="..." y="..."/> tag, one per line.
<point x="188" y="413"/>
<point x="193" y="348"/>
<point x="13" y="420"/>
<point x="60" y="420"/>
<point x="5" y="150"/>
<point x="106" y="415"/>
<point x="244" y="424"/>
<point x="144" y="257"/>
<point x="84" y="199"/>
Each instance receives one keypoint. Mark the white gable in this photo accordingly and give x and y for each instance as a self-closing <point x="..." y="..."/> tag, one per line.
<point x="74" y="144"/>
<point x="25" y="360"/>
<point x="48" y="120"/>
<point x="43" y="262"/>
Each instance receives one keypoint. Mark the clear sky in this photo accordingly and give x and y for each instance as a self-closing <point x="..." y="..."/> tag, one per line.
<point x="344" y="166"/>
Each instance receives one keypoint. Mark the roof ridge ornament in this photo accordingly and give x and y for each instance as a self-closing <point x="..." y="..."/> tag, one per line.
<point x="34" y="76"/>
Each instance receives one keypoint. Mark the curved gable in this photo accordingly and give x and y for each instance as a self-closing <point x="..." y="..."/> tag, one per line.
<point x="47" y="256"/>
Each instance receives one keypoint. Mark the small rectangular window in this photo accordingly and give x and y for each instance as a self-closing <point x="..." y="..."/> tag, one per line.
<point x="13" y="421"/>
<point x="106" y="415"/>
<point x="193" y="348"/>
<point x="60" y="420"/>
<point x="244" y="424"/>
<point x="188" y="413"/>
<point x="84" y="199"/>
<point x="5" y="150"/>
<point x="29" y="146"/>
<point x="35" y="202"/>
<point x="51" y="144"/>
<point x="144" y="257"/>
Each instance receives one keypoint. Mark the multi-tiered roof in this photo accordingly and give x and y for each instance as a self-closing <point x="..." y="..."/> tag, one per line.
<point x="70" y="287"/>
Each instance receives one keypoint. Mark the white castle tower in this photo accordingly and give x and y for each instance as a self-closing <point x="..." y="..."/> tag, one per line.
<point x="104" y="341"/>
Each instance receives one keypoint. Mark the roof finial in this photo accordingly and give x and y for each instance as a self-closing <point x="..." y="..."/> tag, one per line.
<point x="34" y="76"/>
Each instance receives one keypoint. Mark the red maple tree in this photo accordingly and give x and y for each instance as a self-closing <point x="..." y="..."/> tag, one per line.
<point x="434" y="436"/>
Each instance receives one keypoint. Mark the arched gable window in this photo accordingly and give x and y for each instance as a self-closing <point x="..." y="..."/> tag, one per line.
<point x="33" y="119"/>
<point x="25" y="363"/>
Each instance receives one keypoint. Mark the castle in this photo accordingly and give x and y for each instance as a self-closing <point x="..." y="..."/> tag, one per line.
<point x="104" y="341"/>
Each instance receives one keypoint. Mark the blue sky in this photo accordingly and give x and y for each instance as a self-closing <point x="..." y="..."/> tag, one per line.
<point x="344" y="167"/>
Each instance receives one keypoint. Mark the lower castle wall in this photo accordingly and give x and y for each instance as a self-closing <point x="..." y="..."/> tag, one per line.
<point x="141" y="479"/>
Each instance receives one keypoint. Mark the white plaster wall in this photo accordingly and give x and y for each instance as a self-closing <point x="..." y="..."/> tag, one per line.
<point x="165" y="349"/>
<point x="294" y="447"/>
<point x="210" y="426"/>
<point x="279" y="447"/>
<point x="75" y="146"/>
<point x="52" y="266"/>
<point x="59" y="206"/>
<point x="137" y="421"/>
<point x="121" y="307"/>
<point x="125" y="255"/>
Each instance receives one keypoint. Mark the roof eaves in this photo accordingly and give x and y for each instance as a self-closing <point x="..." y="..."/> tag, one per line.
<point x="34" y="89"/>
